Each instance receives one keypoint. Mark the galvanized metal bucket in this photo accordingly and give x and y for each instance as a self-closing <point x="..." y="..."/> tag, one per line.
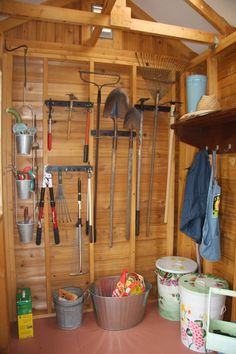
<point x="25" y="231"/>
<point x="24" y="143"/>
<point x="23" y="189"/>
<point x="113" y="313"/>
<point x="69" y="313"/>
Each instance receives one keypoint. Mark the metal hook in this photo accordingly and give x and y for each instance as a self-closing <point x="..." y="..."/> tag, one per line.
<point x="228" y="148"/>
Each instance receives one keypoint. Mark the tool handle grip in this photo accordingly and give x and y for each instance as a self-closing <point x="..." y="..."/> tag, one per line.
<point x="86" y="150"/>
<point x="94" y="236"/>
<point x="137" y="223"/>
<point x="49" y="141"/>
<point x="38" y="236"/>
<point x="87" y="227"/>
<point x="91" y="234"/>
<point x="56" y="235"/>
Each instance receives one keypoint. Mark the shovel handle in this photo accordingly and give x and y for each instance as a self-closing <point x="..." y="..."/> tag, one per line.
<point x="137" y="222"/>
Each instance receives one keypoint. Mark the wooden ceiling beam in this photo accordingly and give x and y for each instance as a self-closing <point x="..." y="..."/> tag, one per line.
<point x="211" y="16"/>
<point x="10" y="23"/>
<point x="225" y="43"/>
<point x="118" y="20"/>
<point x="107" y="8"/>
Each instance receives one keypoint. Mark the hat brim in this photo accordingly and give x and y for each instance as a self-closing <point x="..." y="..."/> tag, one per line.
<point x="197" y="113"/>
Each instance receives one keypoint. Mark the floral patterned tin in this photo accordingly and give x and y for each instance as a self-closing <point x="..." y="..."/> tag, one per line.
<point x="194" y="290"/>
<point x="169" y="270"/>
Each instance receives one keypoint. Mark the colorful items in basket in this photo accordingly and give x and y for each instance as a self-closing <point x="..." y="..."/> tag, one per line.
<point x="129" y="284"/>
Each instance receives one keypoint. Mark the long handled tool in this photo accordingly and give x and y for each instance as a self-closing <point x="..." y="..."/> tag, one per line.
<point x="154" y="138"/>
<point x="89" y="230"/>
<point x="170" y="157"/>
<point x="116" y="79"/>
<point x="72" y="98"/>
<point x="116" y="105"/>
<point x="50" y="110"/>
<point x="78" y="234"/>
<point x="86" y="143"/>
<point x="140" y="144"/>
<point x="61" y="203"/>
<point x="131" y="122"/>
<point x="47" y="182"/>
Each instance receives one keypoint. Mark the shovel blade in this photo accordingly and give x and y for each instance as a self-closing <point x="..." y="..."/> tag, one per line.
<point x="132" y="119"/>
<point x="116" y="104"/>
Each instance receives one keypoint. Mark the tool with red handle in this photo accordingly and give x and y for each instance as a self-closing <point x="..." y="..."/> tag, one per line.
<point x="47" y="182"/>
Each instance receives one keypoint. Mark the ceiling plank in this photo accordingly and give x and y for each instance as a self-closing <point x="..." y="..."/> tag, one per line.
<point x="139" y="13"/>
<point x="211" y="16"/>
<point x="107" y="7"/>
<point x="10" y="23"/>
<point x="171" y="31"/>
<point x="77" y="17"/>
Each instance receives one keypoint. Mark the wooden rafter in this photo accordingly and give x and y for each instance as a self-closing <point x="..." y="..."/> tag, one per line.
<point x="118" y="20"/>
<point x="107" y="7"/>
<point x="211" y="16"/>
<point x="10" y="23"/>
<point x="225" y="43"/>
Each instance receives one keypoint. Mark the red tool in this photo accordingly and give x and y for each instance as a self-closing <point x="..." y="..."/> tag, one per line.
<point x="86" y="143"/>
<point x="47" y="182"/>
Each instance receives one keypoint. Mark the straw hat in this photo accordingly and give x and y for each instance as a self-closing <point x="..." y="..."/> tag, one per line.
<point x="205" y="105"/>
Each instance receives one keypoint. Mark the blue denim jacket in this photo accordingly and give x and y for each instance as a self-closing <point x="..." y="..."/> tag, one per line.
<point x="195" y="196"/>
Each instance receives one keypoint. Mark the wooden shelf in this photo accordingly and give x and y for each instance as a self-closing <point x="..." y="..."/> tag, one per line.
<point x="214" y="129"/>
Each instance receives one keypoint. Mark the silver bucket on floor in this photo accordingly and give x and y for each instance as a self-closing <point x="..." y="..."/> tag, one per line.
<point x="114" y="313"/>
<point x="26" y="231"/>
<point x="23" y="189"/>
<point x="24" y="143"/>
<point x="69" y="313"/>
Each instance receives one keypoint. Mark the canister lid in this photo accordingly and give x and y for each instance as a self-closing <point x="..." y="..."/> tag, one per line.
<point x="201" y="283"/>
<point x="174" y="264"/>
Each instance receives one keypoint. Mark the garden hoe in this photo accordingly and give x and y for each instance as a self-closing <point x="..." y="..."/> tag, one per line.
<point x="131" y="122"/>
<point x="116" y="106"/>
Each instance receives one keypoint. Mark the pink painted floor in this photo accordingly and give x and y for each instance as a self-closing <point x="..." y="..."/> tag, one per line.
<point x="153" y="335"/>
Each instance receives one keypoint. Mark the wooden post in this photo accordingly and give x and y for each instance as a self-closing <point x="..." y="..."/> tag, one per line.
<point x="8" y="206"/>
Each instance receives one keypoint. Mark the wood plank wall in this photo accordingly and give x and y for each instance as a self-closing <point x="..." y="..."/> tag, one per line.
<point x="50" y="74"/>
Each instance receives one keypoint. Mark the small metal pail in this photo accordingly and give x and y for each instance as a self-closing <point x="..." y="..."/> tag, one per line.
<point x="23" y="189"/>
<point x="24" y="144"/>
<point x="25" y="231"/>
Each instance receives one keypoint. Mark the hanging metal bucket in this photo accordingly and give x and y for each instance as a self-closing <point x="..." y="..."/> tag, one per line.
<point x="26" y="231"/>
<point x="23" y="189"/>
<point x="24" y="143"/>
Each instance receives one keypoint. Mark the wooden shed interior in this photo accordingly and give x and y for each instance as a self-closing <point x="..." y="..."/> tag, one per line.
<point x="44" y="47"/>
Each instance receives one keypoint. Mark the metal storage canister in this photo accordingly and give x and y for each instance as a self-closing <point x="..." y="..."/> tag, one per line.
<point x="169" y="270"/>
<point x="69" y="313"/>
<point x="194" y="290"/>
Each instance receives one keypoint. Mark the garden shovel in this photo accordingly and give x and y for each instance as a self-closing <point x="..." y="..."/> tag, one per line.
<point x="131" y="122"/>
<point x="116" y="106"/>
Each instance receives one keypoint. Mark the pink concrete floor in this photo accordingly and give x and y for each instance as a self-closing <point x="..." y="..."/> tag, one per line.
<point x="153" y="335"/>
